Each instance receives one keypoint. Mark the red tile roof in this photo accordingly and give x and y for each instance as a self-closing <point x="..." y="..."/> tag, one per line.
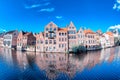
<point x="88" y="31"/>
<point x="62" y="29"/>
<point x="109" y="33"/>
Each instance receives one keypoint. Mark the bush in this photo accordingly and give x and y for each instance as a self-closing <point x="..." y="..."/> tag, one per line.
<point x="79" y="49"/>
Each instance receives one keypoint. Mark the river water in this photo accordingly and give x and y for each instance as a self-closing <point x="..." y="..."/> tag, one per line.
<point x="97" y="65"/>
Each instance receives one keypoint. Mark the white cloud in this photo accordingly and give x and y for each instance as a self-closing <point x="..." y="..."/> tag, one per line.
<point x="36" y="5"/>
<point x="59" y="17"/>
<point x="115" y="6"/>
<point x="114" y="27"/>
<point x="32" y="6"/>
<point x="47" y="10"/>
<point x="118" y="7"/>
<point x="118" y="1"/>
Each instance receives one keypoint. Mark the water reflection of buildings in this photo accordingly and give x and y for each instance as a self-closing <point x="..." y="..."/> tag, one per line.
<point x="59" y="63"/>
<point x="22" y="60"/>
<point x="7" y="55"/>
<point x="52" y="63"/>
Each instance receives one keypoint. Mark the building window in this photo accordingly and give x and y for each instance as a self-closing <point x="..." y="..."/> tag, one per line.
<point x="62" y="34"/>
<point x="20" y="44"/>
<point x="93" y="41"/>
<point x="69" y="37"/>
<point x="51" y="29"/>
<point x="59" y="45"/>
<point x="62" y="39"/>
<point x="65" y="39"/>
<point x="54" y="29"/>
<point x="74" y="37"/>
<point x="46" y="29"/>
<point x="54" y="41"/>
<point x="41" y="42"/>
<point x="46" y="42"/>
<point x="71" y="32"/>
<point x="54" y="34"/>
<point x="65" y="34"/>
<point x="62" y="45"/>
<point x="50" y="41"/>
<point x="59" y="34"/>
<point x="54" y="48"/>
<point x="50" y="35"/>
<point x="46" y="34"/>
<point x="89" y="41"/>
<point x="78" y="35"/>
<point x="88" y="36"/>
<point x="14" y="34"/>
<point x="59" y="39"/>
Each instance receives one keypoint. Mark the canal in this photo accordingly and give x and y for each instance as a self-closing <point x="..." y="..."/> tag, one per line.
<point x="97" y="65"/>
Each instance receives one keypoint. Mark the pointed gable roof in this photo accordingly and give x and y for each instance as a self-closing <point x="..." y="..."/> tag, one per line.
<point x="23" y="32"/>
<point x="51" y="23"/>
<point x="72" y="24"/>
<point x="40" y="36"/>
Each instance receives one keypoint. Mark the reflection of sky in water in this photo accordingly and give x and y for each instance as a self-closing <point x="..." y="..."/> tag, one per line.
<point x="102" y="64"/>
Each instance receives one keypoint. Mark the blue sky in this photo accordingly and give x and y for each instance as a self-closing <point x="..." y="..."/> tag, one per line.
<point x="33" y="15"/>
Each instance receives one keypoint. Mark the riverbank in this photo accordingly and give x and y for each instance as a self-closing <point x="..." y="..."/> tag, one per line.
<point x="74" y="51"/>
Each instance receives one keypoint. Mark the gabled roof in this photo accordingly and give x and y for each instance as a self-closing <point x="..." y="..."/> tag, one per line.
<point x="80" y="29"/>
<point x="10" y="32"/>
<point x="28" y="33"/>
<point x="23" y="32"/>
<point x="89" y="31"/>
<point x="48" y="25"/>
<point x="63" y="29"/>
<point x="109" y="33"/>
<point x="40" y="35"/>
<point x="71" y="24"/>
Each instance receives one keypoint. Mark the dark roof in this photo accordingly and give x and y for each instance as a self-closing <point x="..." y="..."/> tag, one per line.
<point x="23" y="32"/>
<point x="10" y="32"/>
